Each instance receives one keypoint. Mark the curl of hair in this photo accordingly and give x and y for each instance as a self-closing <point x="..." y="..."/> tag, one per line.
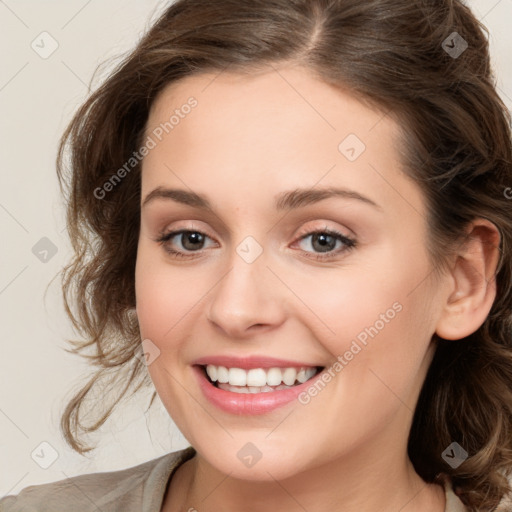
<point x="456" y="145"/>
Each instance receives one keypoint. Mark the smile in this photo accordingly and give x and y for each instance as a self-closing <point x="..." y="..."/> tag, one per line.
<point x="258" y="380"/>
<point x="249" y="399"/>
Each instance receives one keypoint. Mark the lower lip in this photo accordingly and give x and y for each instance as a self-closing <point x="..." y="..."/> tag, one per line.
<point x="249" y="403"/>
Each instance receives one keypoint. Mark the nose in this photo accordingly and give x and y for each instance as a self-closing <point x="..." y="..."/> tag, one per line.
<point x="248" y="299"/>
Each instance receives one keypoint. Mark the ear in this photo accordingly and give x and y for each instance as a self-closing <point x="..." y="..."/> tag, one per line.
<point x="473" y="288"/>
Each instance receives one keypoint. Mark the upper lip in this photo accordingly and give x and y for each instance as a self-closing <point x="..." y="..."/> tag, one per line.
<point x="252" y="362"/>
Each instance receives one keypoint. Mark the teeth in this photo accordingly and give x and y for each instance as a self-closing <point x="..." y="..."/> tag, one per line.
<point x="257" y="378"/>
<point x="289" y="376"/>
<point x="274" y="377"/>
<point x="222" y="374"/>
<point x="237" y="377"/>
<point x="302" y="376"/>
<point x="251" y="389"/>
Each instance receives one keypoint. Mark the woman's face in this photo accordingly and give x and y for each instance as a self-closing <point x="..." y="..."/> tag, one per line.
<point x="263" y="151"/>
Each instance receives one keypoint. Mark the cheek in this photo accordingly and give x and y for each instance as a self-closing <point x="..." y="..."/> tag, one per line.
<point x="378" y="314"/>
<point x="379" y="355"/>
<point x="163" y="296"/>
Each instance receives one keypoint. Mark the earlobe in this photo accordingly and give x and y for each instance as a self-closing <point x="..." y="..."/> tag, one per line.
<point x="474" y="282"/>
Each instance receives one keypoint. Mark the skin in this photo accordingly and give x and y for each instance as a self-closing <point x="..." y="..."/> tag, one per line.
<point x="248" y="139"/>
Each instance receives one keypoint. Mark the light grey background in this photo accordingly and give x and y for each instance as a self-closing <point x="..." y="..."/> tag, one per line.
<point x="37" y="98"/>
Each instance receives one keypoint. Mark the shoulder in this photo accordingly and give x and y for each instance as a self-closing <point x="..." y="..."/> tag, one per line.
<point x="135" y="488"/>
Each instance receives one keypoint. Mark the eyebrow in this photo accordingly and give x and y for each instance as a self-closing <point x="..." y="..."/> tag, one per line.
<point x="288" y="200"/>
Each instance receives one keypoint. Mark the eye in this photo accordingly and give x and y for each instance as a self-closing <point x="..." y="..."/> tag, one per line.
<point x="191" y="240"/>
<point x="325" y="241"/>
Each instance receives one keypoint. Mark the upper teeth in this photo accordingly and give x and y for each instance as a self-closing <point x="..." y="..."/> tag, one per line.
<point x="258" y="376"/>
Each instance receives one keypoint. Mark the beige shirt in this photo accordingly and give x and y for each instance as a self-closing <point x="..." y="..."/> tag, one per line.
<point x="137" y="489"/>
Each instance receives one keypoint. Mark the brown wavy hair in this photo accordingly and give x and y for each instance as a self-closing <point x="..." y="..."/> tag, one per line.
<point x="456" y="146"/>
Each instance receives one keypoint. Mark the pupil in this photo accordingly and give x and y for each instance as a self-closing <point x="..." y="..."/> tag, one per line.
<point x="193" y="237"/>
<point x="321" y="238"/>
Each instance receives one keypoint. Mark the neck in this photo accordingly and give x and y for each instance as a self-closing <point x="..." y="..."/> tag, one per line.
<point x="352" y="483"/>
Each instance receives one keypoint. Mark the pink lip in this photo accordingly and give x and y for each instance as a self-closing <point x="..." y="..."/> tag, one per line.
<point x="252" y="362"/>
<point x="249" y="403"/>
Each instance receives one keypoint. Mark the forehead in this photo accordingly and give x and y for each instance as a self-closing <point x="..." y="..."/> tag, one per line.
<point x="276" y="92"/>
<point x="276" y="129"/>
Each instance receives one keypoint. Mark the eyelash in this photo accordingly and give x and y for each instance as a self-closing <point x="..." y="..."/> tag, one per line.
<point x="350" y="243"/>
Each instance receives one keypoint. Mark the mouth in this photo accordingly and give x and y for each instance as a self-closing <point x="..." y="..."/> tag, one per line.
<point x="258" y="380"/>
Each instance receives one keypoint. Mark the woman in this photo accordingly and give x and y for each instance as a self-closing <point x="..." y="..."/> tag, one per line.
<point x="302" y="230"/>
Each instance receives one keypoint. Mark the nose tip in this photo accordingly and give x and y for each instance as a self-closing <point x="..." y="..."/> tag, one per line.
<point x="238" y="319"/>
<point x="243" y="302"/>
